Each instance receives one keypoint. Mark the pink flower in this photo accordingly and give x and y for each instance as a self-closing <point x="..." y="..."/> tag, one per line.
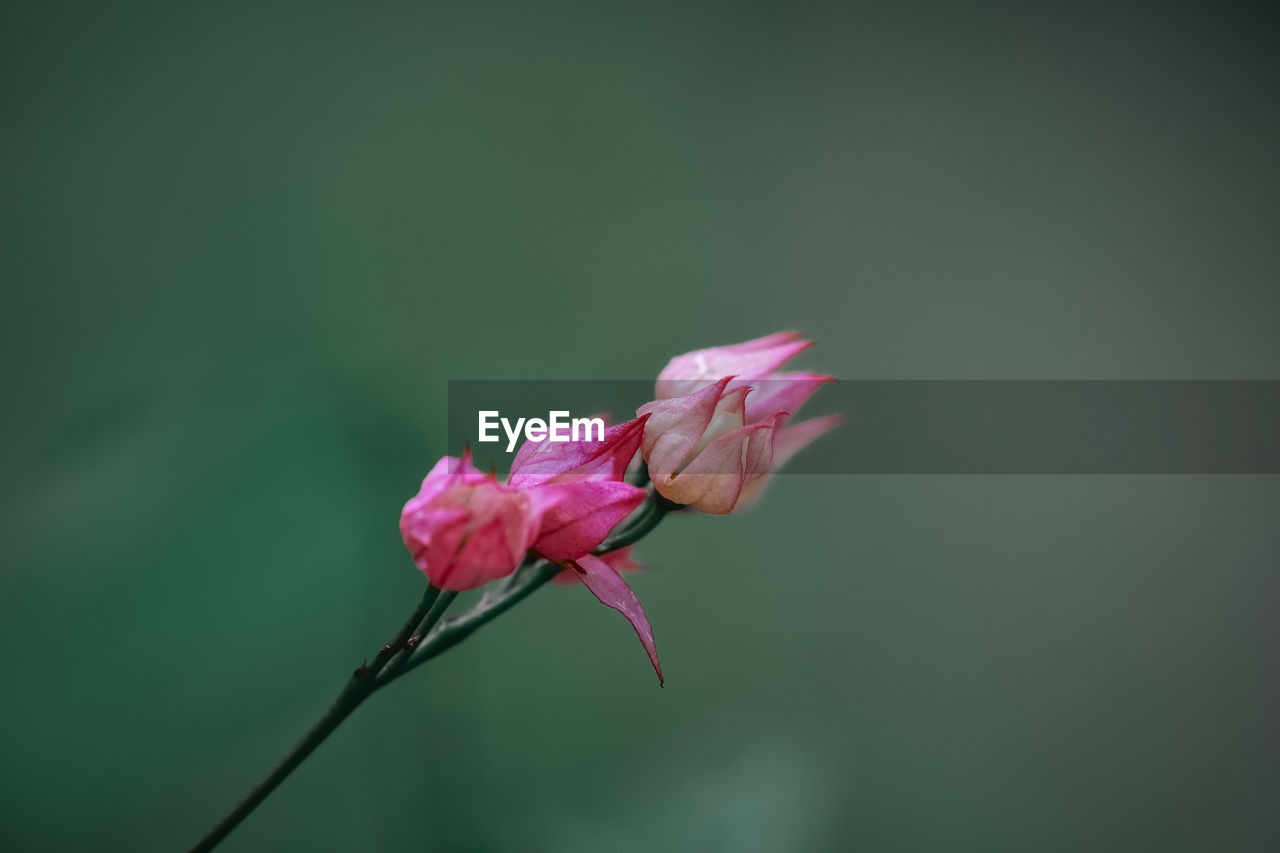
<point x="718" y="425"/>
<point x="464" y="528"/>
<point x="577" y="491"/>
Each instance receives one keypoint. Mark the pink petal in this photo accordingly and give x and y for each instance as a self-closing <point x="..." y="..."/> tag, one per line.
<point x="792" y="439"/>
<point x="612" y="591"/>
<point x="464" y="528"/>
<point x="485" y="555"/>
<point x="432" y="534"/>
<point x="577" y="516"/>
<point x="539" y="462"/>
<point x="784" y="392"/>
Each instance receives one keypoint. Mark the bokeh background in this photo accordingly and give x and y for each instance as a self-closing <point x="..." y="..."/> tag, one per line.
<point x="244" y="246"/>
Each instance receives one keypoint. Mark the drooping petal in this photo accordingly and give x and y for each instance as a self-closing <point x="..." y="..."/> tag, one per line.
<point x="577" y="516"/>
<point x="755" y="359"/>
<point x="545" y="461"/>
<point x="612" y="591"/>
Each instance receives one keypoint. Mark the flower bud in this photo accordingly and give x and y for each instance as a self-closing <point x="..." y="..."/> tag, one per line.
<point x="717" y="427"/>
<point x="464" y="528"/>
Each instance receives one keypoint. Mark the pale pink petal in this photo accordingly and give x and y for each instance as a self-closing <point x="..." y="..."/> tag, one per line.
<point x="730" y="415"/>
<point x="789" y="440"/>
<point x="755" y="359"/>
<point x="612" y="591"/>
<point x="793" y="438"/>
<point x="713" y="480"/>
<point x="676" y="426"/>
<point x="783" y="392"/>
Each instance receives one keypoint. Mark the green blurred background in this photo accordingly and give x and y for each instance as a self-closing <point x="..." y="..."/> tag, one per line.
<point x="244" y="246"/>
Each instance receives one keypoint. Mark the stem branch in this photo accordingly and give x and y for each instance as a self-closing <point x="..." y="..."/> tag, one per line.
<point x="421" y="639"/>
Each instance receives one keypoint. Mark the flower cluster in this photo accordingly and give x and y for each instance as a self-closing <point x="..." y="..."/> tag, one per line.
<point x="718" y="426"/>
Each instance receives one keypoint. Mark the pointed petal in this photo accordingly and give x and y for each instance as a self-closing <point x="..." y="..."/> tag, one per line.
<point x="792" y="439"/>
<point x="755" y="359"/>
<point x="543" y="461"/>
<point x="612" y="591"/>
<point x="675" y="426"/>
<point x="785" y="392"/>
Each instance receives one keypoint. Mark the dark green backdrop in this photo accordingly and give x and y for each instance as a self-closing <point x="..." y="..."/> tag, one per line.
<point x="243" y="248"/>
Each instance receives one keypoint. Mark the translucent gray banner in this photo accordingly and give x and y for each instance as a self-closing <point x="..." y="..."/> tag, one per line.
<point x="948" y="427"/>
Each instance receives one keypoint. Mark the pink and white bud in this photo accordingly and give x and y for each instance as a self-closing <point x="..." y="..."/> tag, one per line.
<point x="717" y="428"/>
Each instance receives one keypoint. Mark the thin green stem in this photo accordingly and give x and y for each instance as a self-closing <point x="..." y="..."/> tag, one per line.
<point x="358" y="688"/>
<point x="356" y="691"/>
<point x="428" y="622"/>
<point x="456" y="629"/>
<point x="421" y="638"/>
<point x="387" y="652"/>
